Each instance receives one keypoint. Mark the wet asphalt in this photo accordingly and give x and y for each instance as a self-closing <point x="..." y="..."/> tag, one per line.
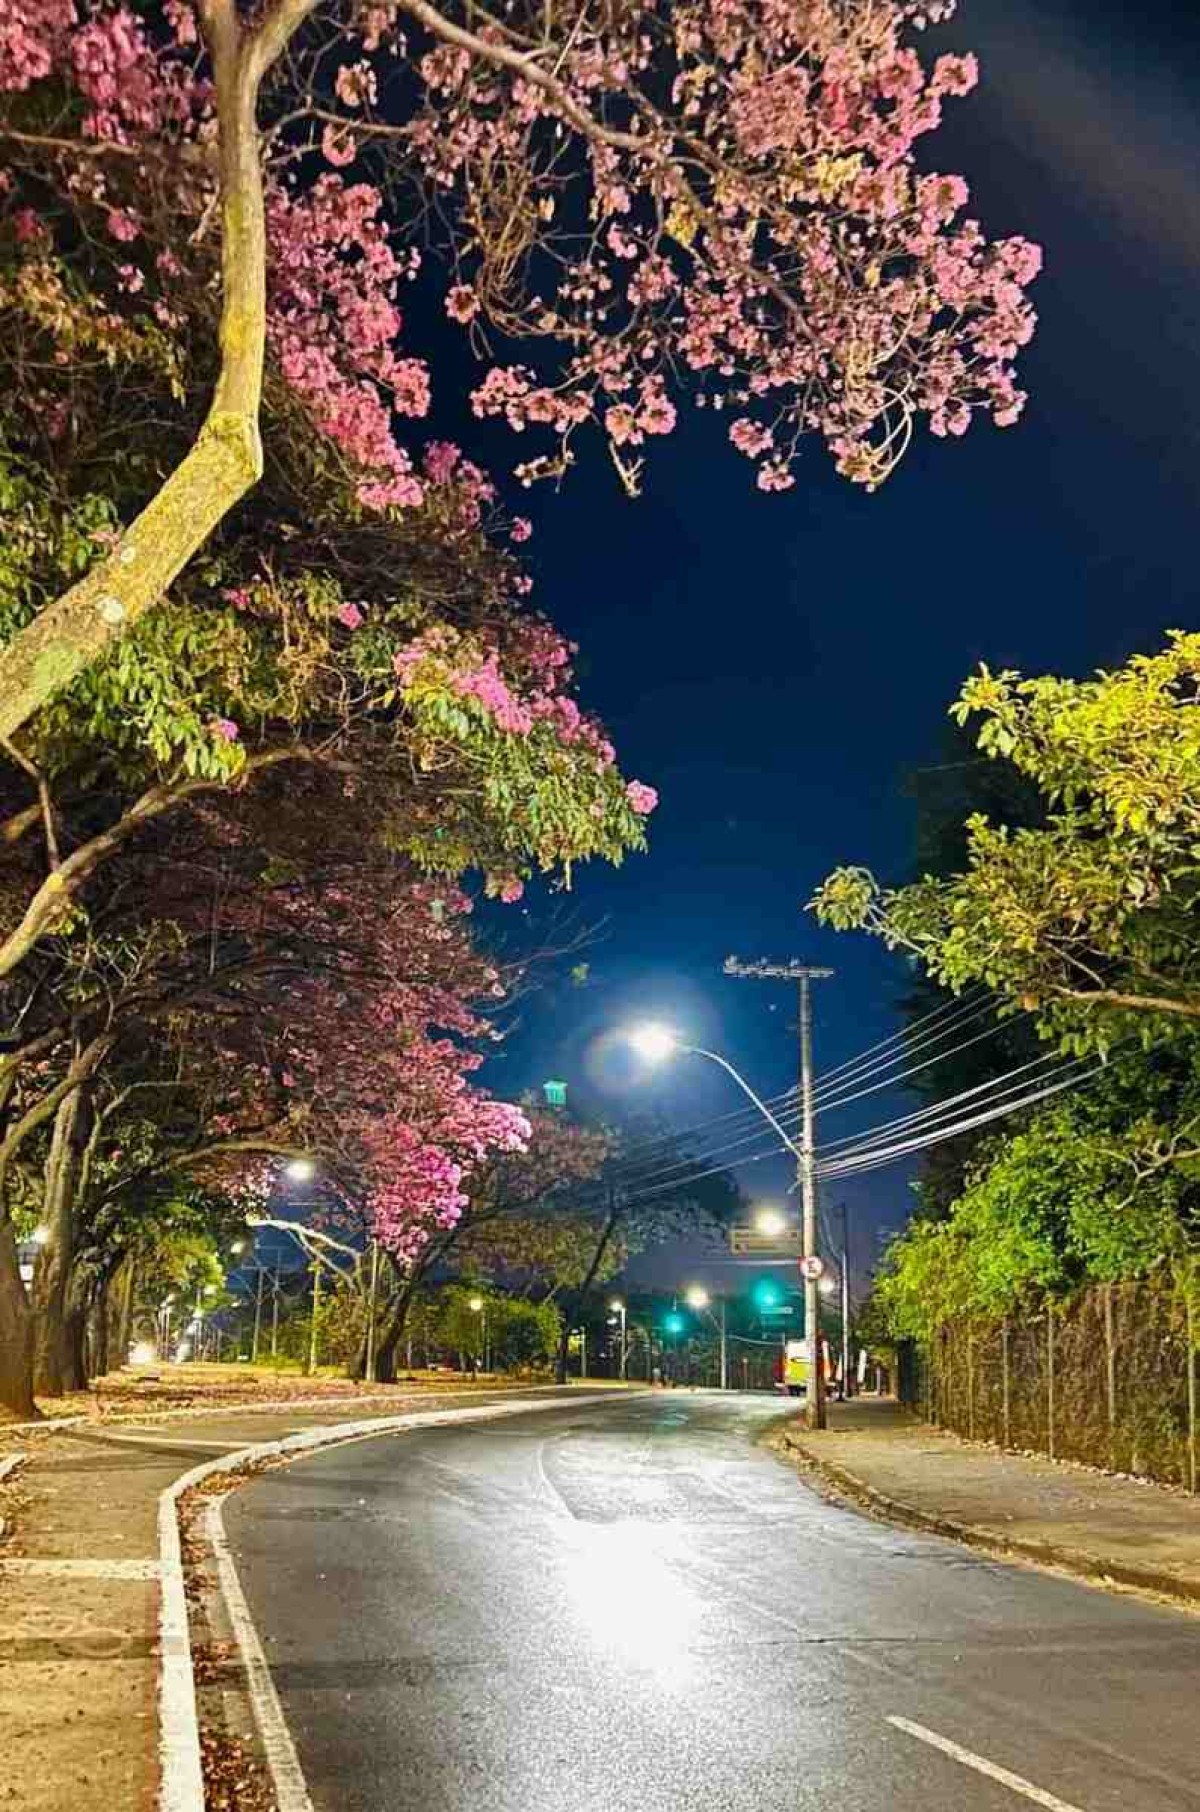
<point x="634" y="1607"/>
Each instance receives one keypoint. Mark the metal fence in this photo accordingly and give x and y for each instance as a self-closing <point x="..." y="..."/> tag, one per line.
<point x="1108" y="1377"/>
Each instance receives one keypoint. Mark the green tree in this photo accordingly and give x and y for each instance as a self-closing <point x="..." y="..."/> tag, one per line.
<point x="1088" y="920"/>
<point x="1099" y="1186"/>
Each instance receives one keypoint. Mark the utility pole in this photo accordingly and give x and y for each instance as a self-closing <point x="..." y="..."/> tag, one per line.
<point x="724" y="1350"/>
<point x="275" y="1314"/>
<point x="370" y="1365"/>
<point x="847" y="1387"/>
<point x="316" y="1310"/>
<point x="257" y="1316"/>
<point x="803" y="974"/>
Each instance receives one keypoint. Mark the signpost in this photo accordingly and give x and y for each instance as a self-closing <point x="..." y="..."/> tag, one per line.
<point x="752" y="1242"/>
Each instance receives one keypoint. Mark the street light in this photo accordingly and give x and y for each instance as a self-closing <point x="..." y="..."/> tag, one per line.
<point x="654" y="1043"/>
<point x="479" y="1307"/>
<point x="771" y="1222"/>
<point x="697" y="1297"/>
<point x="617" y="1307"/>
<point x="299" y="1170"/>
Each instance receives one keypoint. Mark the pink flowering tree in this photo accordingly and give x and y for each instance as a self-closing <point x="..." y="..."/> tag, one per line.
<point x="640" y="201"/>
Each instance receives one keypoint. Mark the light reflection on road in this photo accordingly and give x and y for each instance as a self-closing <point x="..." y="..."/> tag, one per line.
<point x="631" y="1601"/>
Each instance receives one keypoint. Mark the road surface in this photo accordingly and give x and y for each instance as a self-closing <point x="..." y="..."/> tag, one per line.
<point x="632" y="1608"/>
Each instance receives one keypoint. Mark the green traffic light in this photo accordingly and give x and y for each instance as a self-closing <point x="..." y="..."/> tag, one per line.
<point x="673" y="1324"/>
<point x="766" y="1293"/>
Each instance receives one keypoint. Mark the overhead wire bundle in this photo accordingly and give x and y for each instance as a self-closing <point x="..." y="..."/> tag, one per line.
<point x="744" y="1138"/>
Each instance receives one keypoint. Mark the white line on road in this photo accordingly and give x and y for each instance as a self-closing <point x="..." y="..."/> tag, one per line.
<point x="82" y="1569"/>
<point x="1016" y="1782"/>
<point x="287" y="1776"/>
<point x="169" y="1440"/>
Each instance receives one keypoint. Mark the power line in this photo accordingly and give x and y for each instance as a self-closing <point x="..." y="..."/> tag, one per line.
<point x="888" y="1154"/>
<point x="935" y="1110"/>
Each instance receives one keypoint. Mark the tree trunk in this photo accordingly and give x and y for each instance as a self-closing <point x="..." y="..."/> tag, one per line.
<point x="56" y="1355"/>
<point x="42" y="659"/>
<point x="393" y="1332"/>
<point x="98" y="1344"/>
<point x="124" y="1320"/>
<point x="16" y="1334"/>
<point x="616" y="1208"/>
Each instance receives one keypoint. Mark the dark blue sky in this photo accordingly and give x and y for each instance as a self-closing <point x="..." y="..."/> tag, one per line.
<point x="774" y="666"/>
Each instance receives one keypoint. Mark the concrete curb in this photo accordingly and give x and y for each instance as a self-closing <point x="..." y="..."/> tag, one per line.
<point x="1097" y="1571"/>
<point x="274" y="1406"/>
<point x="182" y="1780"/>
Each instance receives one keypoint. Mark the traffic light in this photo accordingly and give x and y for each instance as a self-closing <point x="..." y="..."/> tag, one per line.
<point x="673" y="1323"/>
<point x="767" y="1294"/>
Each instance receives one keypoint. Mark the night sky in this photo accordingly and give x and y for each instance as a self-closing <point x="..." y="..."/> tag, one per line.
<point x="776" y="666"/>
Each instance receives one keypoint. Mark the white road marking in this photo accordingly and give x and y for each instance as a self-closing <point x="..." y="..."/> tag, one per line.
<point x="167" y="1439"/>
<point x="182" y="1784"/>
<point x="11" y="1464"/>
<point x="287" y="1776"/>
<point x="82" y="1569"/>
<point x="1016" y="1782"/>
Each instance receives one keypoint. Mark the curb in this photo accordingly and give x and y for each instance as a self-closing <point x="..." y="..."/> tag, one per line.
<point x="275" y="1406"/>
<point x="988" y="1541"/>
<point x="182" y="1780"/>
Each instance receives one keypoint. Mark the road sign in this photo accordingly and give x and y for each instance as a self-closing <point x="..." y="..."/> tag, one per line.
<point x="749" y="1242"/>
<point x="812" y="1267"/>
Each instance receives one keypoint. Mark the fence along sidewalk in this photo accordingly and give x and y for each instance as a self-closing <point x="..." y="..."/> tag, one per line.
<point x="1108" y="1377"/>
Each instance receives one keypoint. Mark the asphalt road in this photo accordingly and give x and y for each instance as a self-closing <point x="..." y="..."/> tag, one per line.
<point x="632" y="1608"/>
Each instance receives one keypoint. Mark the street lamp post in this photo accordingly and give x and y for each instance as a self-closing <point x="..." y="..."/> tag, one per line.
<point x="698" y="1298"/>
<point x="478" y="1306"/>
<point x="655" y="1043"/>
<point x="370" y="1365"/>
<point x="316" y="1310"/>
<point x="618" y="1308"/>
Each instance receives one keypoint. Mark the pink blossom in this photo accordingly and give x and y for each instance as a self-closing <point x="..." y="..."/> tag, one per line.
<point x="641" y="799"/>
<point x="355" y="84"/>
<point x="349" y="615"/>
<point x="622" y="424"/>
<point x="440" y="459"/>
<point x="511" y="891"/>
<point x="462" y="304"/>
<point x="749" y="437"/>
<point x="224" y="729"/>
<point x="520" y="529"/>
<point x="122" y="225"/>
<point x="339" y="146"/>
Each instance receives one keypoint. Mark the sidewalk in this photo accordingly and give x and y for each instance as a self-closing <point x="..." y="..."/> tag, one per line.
<point x="79" y="1588"/>
<point x="1116" y="1531"/>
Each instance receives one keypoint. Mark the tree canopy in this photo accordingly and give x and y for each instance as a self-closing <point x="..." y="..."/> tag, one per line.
<point x="1088" y="920"/>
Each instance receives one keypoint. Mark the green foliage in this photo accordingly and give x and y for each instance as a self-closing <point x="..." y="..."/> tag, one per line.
<point x="1100" y="1186"/>
<point x="1089" y="919"/>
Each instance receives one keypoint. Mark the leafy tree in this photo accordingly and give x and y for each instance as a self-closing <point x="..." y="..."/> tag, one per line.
<point x="946" y="796"/>
<point x="626" y="193"/>
<point x="1088" y="920"/>
<point x="1101" y="1185"/>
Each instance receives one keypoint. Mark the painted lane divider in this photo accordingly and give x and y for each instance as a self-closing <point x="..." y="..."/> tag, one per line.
<point x="1016" y="1782"/>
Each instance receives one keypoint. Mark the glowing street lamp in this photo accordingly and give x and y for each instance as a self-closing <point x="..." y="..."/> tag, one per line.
<point x="771" y="1222"/>
<point x="478" y="1306"/>
<point x="654" y="1043"/>
<point x="299" y="1170"/>
<point x="617" y="1307"/>
<point x="696" y="1297"/>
